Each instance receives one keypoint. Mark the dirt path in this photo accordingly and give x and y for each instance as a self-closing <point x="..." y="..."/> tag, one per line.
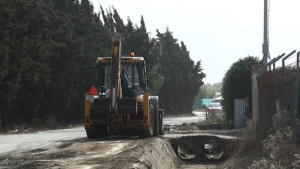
<point x="69" y="148"/>
<point x="114" y="152"/>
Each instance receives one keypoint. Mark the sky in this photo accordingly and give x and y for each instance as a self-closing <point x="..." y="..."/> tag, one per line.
<point x="217" y="32"/>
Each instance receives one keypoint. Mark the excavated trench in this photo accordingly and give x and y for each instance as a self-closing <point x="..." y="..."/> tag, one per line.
<point x="194" y="145"/>
<point x="192" y="150"/>
<point x="204" y="148"/>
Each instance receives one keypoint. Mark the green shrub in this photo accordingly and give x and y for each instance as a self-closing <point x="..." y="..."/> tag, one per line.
<point x="237" y="84"/>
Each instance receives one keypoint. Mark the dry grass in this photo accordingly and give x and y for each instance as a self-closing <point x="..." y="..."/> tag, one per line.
<point x="276" y="151"/>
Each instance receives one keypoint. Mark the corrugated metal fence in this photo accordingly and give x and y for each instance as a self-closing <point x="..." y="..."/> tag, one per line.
<point x="240" y="106"/>
<point x="276" y="89"/>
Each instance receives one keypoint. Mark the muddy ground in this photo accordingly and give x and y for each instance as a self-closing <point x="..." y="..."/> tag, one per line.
<point x="112" y="152"/>
<point x="69" y="148"/>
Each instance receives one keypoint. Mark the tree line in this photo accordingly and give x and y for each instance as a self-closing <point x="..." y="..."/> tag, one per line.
<point x="209" y="91"/>
<point x="49" y="47"/>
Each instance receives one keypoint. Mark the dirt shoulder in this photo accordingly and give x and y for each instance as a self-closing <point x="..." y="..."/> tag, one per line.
<point x="114" y="152"/>
<point x="70" y="148"/>
<point x="277" y="150"/>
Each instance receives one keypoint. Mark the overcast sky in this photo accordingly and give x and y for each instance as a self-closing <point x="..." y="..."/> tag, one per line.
<point x="217" y="32"/>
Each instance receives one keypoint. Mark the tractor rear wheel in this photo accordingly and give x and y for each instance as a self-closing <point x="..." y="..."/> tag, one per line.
<point x="149" y="131"/>
<point x="92" y="133"/>
<point x="156" y="123"/>
<point x="100" y="131"/>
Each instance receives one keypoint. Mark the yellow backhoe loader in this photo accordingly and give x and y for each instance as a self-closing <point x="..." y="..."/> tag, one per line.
<point x="118" y="103"/>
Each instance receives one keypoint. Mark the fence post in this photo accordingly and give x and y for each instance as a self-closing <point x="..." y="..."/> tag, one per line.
<point x="255" y="97"/>
<point x="0" y="122"/>
<point x="283" y="62"/>
<point x="297" y="87"/>
<point x="296" y="133"/>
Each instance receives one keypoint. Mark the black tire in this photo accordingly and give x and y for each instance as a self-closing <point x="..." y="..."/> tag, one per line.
<point x="156" y="123"/>
<point x="161" y="119"/>
<point x="149" y="131"/>
<point x="94" y="133"/>
<point x="144" y="134"/>
<point x="104" y="130"/>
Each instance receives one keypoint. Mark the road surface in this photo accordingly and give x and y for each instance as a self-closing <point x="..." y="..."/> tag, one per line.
<point x="69" y="148"/>
<point x="199" y="116"/>
<point x="32" y="141"/>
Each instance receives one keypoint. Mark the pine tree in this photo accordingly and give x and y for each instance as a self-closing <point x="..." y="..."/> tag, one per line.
<point x="182" y="78"/>
<point x="48" y="47"/>
<point x="119" y="25"/>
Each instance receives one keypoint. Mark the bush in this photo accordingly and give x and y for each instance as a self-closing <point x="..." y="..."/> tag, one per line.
<point x="237" y="84"/>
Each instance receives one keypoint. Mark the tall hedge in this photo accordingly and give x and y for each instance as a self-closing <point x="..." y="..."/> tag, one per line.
<point x="46" y="60"/>
<point x="237" y="84"/>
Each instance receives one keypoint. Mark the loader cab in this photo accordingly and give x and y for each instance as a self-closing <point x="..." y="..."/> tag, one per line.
<point x="134" y="68"/>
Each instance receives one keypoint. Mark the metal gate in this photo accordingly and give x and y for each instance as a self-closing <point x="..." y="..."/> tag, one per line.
<point x="240" y="106"/>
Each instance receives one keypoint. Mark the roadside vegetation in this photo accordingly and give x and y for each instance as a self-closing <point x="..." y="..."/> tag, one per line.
<point x="208" y="91"/>
<point x="276" y="150"/>
<point x="237" y="84"/>
<point x="49" y="47"/>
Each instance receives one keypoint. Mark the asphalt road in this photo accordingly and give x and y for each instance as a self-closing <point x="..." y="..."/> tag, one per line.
<point x="70" y="148"/>
<point x="31" y="141"/>
<point x="199" y="116"/>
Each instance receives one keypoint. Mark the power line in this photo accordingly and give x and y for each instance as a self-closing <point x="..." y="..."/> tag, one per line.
<point x="54" y="9"/>
<point x="57" y="11"/>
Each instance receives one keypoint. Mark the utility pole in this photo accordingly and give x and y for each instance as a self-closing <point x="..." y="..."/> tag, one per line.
<point x="265" y="46"/>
